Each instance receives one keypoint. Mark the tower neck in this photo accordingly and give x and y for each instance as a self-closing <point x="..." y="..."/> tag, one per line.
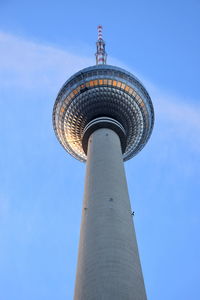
<point x="101" y="53"/>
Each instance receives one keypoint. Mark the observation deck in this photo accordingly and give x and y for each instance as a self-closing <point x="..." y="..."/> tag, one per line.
<point x="103" y="91"/>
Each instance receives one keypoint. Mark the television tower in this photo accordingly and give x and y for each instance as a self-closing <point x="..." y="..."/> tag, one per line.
<point x="103" y="115"/>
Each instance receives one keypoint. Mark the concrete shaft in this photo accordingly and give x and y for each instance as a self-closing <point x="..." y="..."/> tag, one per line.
<point x="108" y="262"/>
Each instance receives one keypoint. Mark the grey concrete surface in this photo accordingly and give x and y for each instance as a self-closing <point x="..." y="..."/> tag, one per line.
<point x="108" y="261"/>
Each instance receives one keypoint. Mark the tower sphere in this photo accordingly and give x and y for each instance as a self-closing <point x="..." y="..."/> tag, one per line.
<point x="103" y="91"/>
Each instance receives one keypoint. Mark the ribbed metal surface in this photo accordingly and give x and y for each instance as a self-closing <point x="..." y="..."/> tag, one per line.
<point x="99" y="91"/>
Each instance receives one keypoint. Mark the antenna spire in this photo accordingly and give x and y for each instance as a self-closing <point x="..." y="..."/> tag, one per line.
<point x="101" y="54"/>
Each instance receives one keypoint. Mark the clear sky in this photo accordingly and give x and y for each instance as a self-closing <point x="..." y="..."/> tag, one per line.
<point x="42" y="43"/>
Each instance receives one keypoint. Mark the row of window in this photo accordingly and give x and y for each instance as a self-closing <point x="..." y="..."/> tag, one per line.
<point x="109" y="72"/>
<point x="101" y="82"/>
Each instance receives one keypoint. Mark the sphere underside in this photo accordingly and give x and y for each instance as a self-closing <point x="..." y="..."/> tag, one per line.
<point x="100" y="91"/>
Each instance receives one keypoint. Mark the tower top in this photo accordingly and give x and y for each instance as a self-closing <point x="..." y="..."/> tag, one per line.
<point x="103" y="95"/>
<point x="101" y="54"/>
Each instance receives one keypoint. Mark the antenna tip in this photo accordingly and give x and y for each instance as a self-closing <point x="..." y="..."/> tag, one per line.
<point x="99" y="27"/>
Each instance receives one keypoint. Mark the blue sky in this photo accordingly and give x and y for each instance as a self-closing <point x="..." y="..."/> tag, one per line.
<point x="41" y="45"/>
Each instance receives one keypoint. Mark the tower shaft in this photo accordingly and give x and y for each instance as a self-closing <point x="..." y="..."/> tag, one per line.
<point x="108" y="261"/>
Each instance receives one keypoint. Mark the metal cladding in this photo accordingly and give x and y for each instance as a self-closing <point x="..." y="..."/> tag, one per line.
<point x="103" y="91"/>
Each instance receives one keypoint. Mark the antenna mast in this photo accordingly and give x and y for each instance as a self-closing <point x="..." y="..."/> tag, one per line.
<point x="101" y="54"/>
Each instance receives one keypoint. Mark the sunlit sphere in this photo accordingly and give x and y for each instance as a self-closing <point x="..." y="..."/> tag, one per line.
<point x="103" y="91"/>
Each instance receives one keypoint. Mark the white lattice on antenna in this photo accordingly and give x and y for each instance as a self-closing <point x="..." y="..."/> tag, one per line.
<point x="101" y="54"/>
